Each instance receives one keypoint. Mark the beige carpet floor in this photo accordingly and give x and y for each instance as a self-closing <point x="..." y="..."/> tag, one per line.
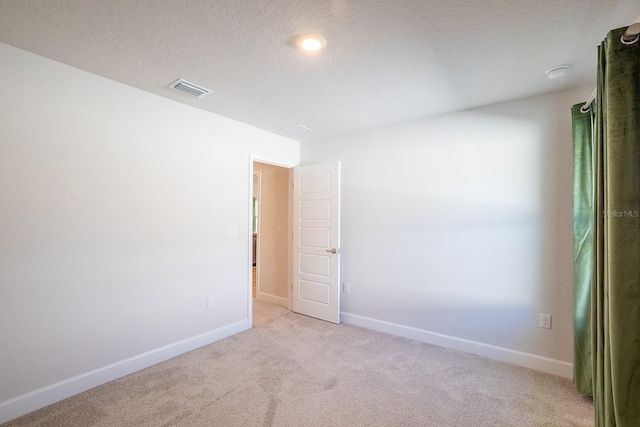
<point x="292" y="370"/>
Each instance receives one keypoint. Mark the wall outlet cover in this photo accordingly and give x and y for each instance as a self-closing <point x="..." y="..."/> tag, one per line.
<point x="545" y="321"/>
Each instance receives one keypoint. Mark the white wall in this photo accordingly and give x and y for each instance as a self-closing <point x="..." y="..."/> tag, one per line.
<point x="273" y="259"/>
<point x="114" y="209"/>
<point x="457" y="229"/>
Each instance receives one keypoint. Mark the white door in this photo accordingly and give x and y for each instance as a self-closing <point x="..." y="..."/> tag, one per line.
<point x="316" y="241"/>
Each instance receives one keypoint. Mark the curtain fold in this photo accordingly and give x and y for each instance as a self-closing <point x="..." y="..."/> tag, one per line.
<point x="582" y="246"/>
<point x="615" y="269"/>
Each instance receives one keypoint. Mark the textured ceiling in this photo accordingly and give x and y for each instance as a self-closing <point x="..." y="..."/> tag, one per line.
<point x="385" y="61"/>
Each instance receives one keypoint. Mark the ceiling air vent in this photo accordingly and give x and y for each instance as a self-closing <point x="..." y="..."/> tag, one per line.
<point x="189" y="88"/>
<point x="297" y="130"/>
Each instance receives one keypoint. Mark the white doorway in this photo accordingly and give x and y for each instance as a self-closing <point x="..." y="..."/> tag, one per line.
<point x="296" y="262"/>
<point x="271" y="233"/>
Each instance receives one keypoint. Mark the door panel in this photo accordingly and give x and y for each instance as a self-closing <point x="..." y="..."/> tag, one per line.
<point x="318" y="210"/>
<point x="316" y="241"/>
<point x="315" y="237"/>
<point x="315" y="183"/>
<point x="314" y="264"/>
<point x="315" y="292"/>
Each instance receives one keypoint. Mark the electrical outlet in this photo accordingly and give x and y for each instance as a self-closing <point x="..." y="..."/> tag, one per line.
<point x="346" y="287"/>
<point x="545" y="321"/>
<point x="211" y="301"/>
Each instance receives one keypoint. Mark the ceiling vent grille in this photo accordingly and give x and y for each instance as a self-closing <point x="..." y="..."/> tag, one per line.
<point x="189" y="88"/>
<point x="297" y="130"/>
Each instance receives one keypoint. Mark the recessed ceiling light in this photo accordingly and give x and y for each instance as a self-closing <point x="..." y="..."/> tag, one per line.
<point x="311" y="42"/>
<point x="557" y="72"/>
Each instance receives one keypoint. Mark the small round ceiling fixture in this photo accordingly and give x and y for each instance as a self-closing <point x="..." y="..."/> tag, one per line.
<point x="311" y="42"/>
<point x="557" y="72"/>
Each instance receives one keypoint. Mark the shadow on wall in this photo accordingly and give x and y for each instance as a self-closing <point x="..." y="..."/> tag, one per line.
<point x="449" y="223"/>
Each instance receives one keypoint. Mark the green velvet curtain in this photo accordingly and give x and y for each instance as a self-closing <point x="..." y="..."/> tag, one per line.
<point x="612" y="336"/>
<point x="582" y="246"/>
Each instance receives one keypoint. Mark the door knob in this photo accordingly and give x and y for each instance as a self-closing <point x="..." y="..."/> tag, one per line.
<point x="332" y="250"/>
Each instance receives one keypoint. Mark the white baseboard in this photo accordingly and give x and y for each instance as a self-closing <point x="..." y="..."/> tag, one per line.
<point x="28" y="402"/>
<point x="527" y="360"/>
<point x="272" y="299"/>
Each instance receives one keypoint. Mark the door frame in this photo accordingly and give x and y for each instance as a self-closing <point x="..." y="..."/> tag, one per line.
<point x="257" y="174"/>
<point x="290" y="167"/>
